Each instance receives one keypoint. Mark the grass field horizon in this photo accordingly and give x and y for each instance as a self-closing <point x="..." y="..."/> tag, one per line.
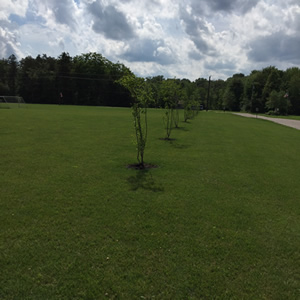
<point x="218" y="218"/>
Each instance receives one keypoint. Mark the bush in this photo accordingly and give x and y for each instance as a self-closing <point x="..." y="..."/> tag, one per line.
<point x="272" y="113"/>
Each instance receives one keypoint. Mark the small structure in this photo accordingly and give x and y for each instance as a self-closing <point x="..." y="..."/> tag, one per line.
<point x="11" y="102"/>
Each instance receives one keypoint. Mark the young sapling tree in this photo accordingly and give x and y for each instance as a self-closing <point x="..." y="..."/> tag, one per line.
<point x="170" y="92"/>
<point x="187" y="110"/>
<point x="142" y="96"/>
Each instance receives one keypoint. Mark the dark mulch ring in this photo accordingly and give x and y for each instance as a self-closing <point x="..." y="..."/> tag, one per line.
<point x="167" y="139"/>
<point x="141" y="167"/>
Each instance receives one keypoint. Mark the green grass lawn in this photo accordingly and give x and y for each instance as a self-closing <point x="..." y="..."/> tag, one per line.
<point x="219" y="218"/>
<point x="291" y="117"/>
<point x="282" y="117"/>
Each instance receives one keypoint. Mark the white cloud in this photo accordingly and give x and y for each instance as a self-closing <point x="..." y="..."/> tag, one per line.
<point x="190" y="38"/>
<point x="8" y="7"/>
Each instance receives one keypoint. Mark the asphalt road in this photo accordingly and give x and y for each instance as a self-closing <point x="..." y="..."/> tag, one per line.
<point x="285" y="122"/>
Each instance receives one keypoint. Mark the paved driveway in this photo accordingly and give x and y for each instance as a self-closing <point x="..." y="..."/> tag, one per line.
<point x="285" y="122"/>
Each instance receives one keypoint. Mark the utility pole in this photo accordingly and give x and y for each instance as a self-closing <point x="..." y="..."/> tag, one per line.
<point x="207" y="100"/>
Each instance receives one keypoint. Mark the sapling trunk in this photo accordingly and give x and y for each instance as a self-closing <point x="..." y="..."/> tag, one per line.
<point x="168" y="121"/>
<point x="176" y="117"/>
<point x="141" y="128"/>
<point x="142" y="96"/>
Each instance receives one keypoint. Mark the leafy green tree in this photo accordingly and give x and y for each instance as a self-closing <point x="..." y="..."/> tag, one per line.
<point x="248" y="94"/>
<point x="12" y="74"/>
<point x="294" y="94"/>
<point x="117" y="95"/>
<point x="178" y="91"/>
<point x="273" y="83"/>
<point x="291" y="85"/>
<point x="90" y="79"/>
<point x="188" y="112"/>
<point x="142" y="96"/>
<point x="94" y="81"/>
<point x="202" y="87"/>
<point x="216" y="92"/>
<point x="170" y="91"/>
<point x="191" y="97"/>
<point x="233" y="94"/>
<point x="64" y="82"/>
<point x="44" y="78"/>
<point x="155" y="83"/>
<point x="37" y="79"/>
<point x="168" y="120"/>
<point x="253" y="89"/>
<point x="4" y="89"/>
<point x="278" y="103"/>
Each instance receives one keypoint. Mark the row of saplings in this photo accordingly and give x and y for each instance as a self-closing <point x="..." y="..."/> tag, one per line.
<point x="142" y="94"/>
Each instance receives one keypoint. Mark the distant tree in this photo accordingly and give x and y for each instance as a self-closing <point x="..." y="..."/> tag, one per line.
<point x="155" y="83"/>
<point x="12" y="74"/>
<point x="177" y="95"/>
<point x="170" y="92"/>
<point x="238" y="75"/>
<point x="233" y="94"/>
<point x="273" y="83"/>
<point x="278" y="103"/>
<point x="287" y="76"/>
<point x="37" y="79"/>
<point x="90" y="79"/>
<point x="64" y="82"/>
<point x="117" y="95"/>
<point x="216" y="93"/>
<point x="202" y="86"/>
<point x="4" y="89"/>
<point x="191" y="97"/>
<point x="44" y="77"/>
<point x="26" y="82"/>
<point x="293" y="93"/>
<point x="188" y="110"/>
<point x="256" y="89"/>
<point x="94" y="81"/>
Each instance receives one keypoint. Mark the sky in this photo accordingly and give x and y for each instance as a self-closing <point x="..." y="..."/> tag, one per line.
<point x="174" y="38"/>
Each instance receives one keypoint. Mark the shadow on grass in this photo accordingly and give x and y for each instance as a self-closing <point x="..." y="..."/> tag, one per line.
<point x="167" y="139"/>
<point x="143" y="179"/>
<point x="177" y="145"/>
<point x="181" y="128"/>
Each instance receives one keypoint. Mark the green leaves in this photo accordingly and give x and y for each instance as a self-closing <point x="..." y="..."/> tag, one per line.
<point x="171" y="93"/>
<point x="278" y="103"/>
<point x="142" y="97"/>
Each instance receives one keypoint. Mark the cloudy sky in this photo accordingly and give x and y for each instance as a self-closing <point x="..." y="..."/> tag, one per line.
<point x="174" y="38"/>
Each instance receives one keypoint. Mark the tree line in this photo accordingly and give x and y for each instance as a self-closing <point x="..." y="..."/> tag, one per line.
<point x="87" y="79"/>
<point x="269" y="91"/>
<point x="91" y="79"/>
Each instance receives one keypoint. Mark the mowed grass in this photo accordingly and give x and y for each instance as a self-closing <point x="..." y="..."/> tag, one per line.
<point x="218" y="219"/>
<point x="281" y="117"/>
